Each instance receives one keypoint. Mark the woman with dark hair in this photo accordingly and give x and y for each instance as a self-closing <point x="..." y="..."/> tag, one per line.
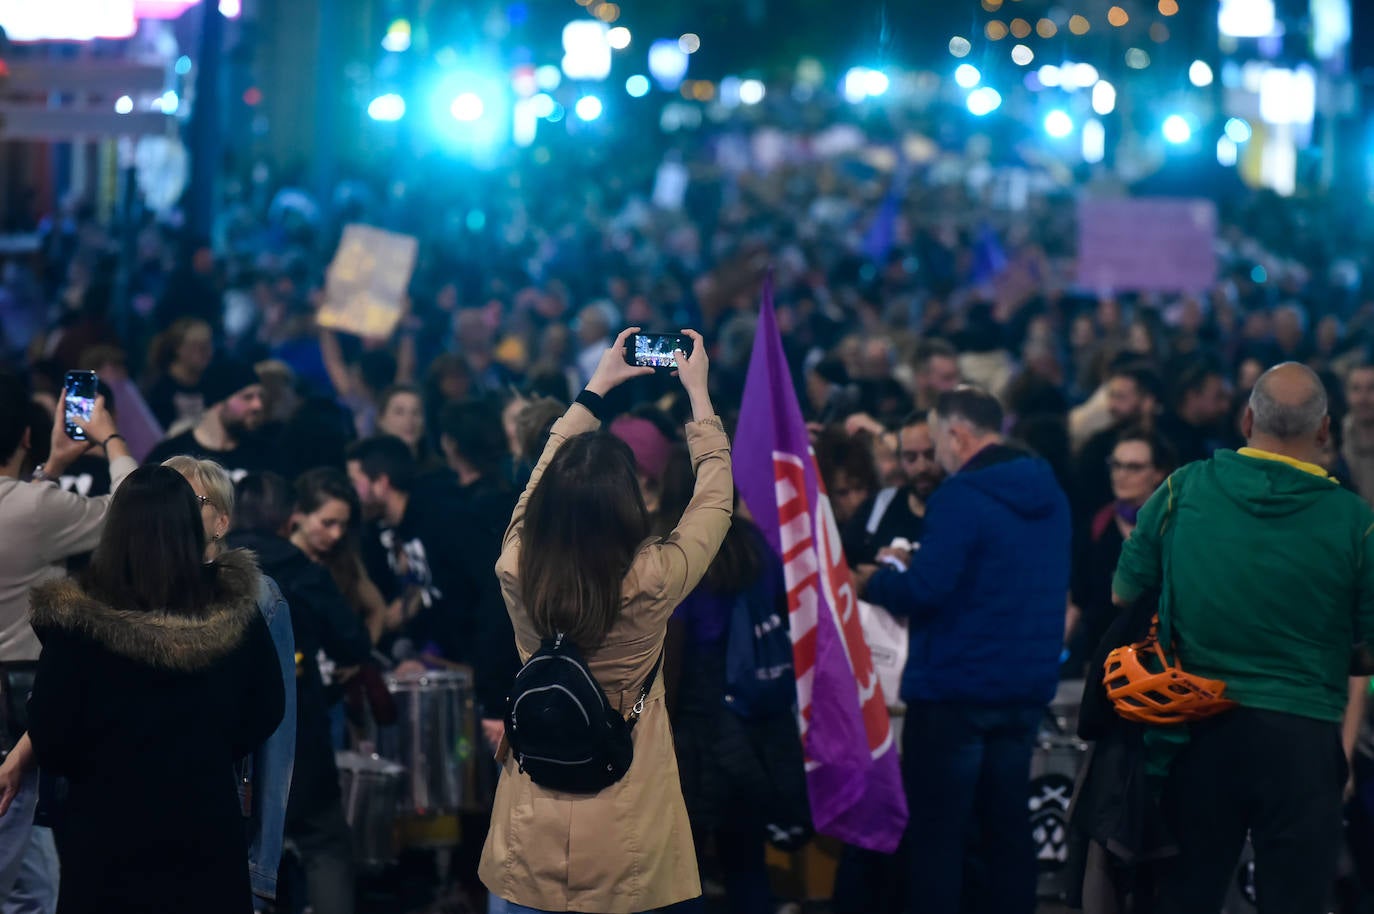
<point x="322" y="624"/>
<point x="323" y="526"/>
<point x="579" y="560"/>
<point x="1139" y="464"/>
<point x="741" y="764"/>
<point x="401" y="412"/>
<point x="157" y="675"/>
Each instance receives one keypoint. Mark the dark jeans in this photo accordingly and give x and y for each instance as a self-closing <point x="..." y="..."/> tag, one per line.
<point x="966" y="769"/>
<point x="1278" y="776"/>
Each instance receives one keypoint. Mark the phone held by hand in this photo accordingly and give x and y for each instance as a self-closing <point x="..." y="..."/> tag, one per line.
<point x="81" y="391"/>
<point x="655" y="350"/>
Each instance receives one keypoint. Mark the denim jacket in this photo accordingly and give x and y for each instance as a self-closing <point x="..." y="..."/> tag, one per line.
<point x="271" y="764"/>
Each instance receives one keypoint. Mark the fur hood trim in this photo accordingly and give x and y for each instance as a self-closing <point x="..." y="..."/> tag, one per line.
<point x="158" y="639"/>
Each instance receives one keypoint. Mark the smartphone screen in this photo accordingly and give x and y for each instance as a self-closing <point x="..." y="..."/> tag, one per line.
<point x="80" y="401"/>
<point x="655" y="350"/>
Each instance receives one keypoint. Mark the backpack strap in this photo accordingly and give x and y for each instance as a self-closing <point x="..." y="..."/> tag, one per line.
<point x="638" y="708"/>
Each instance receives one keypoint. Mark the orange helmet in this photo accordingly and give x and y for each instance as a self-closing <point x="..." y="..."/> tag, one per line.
<point x="1146" y="688"/>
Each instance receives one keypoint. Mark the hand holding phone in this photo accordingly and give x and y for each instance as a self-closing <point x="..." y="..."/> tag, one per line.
<point x="656" y="350"/>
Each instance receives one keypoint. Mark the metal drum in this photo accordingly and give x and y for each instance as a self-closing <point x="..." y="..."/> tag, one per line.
<point x="433" y="737"/>
<point x="1055" y="765"/>
<point x="371" y="788"/>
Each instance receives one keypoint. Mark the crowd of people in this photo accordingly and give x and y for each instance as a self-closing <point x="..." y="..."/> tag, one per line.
<point x="374" y="481"/>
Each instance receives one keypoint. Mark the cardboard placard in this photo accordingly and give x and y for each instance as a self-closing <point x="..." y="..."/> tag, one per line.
<point x="365" y="287"/>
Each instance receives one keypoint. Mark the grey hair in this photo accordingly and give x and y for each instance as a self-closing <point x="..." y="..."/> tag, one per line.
<point x="1288" y="421"/>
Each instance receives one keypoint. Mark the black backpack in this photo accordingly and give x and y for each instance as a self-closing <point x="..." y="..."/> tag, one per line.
<point x="563" y="731"/>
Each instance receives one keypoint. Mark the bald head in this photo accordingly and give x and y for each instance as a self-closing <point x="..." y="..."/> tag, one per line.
<point x="1288" y="403"/>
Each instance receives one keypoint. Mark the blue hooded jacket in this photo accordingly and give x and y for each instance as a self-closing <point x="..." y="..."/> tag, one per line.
<point x="986" y="590"/>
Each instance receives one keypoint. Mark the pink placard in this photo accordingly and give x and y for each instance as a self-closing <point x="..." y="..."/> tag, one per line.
<point x="1147" y="245"/>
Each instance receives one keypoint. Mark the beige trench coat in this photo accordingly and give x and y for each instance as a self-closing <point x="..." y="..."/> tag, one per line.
<point x="628" y="848"/>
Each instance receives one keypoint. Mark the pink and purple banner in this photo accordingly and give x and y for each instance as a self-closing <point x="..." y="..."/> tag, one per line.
<point x="853" y="775"/>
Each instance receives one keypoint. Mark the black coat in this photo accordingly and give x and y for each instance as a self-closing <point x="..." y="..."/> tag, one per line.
<point x="145" y="714"/>
<point x="321" y="620"/>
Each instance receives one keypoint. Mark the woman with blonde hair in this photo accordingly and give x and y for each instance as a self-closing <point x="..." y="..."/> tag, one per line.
<point x="579" y="561"/>
<point x="271" y="768"/>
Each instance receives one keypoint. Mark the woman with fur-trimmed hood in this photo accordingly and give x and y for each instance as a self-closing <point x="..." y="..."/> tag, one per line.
<point x="157" y="674"/>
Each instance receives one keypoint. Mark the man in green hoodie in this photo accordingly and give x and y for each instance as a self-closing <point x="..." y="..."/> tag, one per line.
<point x="1265" y="568"/>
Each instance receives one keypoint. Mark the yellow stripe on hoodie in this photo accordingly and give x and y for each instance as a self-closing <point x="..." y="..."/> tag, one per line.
<point x="1292" y="462"/>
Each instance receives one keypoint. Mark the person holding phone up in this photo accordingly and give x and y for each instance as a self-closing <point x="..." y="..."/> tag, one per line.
<point x="579" y="559"/>
<point x="41" y="526"/>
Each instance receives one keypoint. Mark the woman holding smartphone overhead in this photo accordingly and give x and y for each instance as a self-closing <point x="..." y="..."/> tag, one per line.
<point x="578" y="560"/>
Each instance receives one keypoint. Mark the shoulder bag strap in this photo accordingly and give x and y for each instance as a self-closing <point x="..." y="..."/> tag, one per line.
<point x="638" y="709"/>
<point x="1166" y="539"/>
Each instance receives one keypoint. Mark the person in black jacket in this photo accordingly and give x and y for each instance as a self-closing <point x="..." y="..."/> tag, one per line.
<point x="475" y="448"/>
<point x="157" y="674"/>
<point x="321" y="622"/>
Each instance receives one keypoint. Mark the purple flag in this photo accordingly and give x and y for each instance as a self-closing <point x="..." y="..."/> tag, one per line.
<point x="852" y="772"/>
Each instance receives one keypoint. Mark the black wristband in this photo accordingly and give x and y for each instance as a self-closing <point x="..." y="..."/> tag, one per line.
<point x="111" y="438"/>
<point x="595" y="404"/>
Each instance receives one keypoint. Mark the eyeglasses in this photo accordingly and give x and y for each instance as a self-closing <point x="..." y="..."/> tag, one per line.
<point x="1123" y="466"/>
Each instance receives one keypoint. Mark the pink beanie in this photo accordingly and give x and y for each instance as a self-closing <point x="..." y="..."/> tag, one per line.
<point x="649" y="445"/>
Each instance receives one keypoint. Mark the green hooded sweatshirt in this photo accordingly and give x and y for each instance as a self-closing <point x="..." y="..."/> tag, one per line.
<point x="1267" y="571"/>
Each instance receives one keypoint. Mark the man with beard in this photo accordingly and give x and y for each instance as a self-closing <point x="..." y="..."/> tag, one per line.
<point x="411" y="547"/>
<point x="226" y="430"/>
<point x="897" y="513"/>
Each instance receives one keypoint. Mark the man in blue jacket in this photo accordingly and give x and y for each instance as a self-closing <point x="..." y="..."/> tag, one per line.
<point x="985" y="594"/>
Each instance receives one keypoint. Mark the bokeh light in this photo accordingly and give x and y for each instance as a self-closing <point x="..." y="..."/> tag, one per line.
<point x="389" y="107"/>
<point x="1117" y="16"/>
<point x="618" y="38"/>
<point x="1079" y="25"/>
<point x="637" y="86"/>
<point x="690" y="43"/>
<point x="960" y="46"/>
<point x="1177" y="130"/>
<point x="1200" y="74"/>
<point x="588" y="108"/>
<point x="1046" y="28"/>
<point x="996" y="30"/>
<point x="1058" y="124"/>
<point x="967" y="75"/>
<point x="1022" y="55"/>
<point x="467" y="107"/>
<point x="983" y="101"/>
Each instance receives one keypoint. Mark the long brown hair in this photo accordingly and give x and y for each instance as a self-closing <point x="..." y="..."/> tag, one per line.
<point x="583" y="525"/>
<point x="151" y="553"/>
<point x="313" y="489"/>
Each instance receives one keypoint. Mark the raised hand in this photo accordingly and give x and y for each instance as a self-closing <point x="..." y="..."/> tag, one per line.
<point x="613" y="370"/>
